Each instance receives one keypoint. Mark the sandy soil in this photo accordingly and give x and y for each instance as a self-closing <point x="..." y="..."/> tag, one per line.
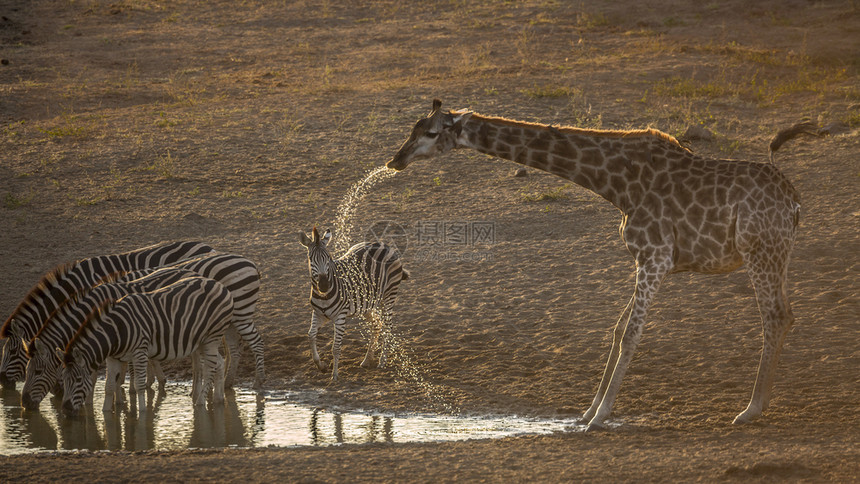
<point x="127" y="123"/>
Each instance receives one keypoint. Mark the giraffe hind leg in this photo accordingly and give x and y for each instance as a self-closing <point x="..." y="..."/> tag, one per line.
<point x="767" y="270"/>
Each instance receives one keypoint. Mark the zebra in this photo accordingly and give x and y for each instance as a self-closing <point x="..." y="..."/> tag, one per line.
<point x="238" y="274"/>
<point x="44" y="367"/>
<point x="364" y="281"/>
<point x="65" y="280"/>
<point x="186" y="318"/>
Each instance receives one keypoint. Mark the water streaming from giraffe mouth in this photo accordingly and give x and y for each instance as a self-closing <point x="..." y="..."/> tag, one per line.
<point x="246" y="420"/>
<point x="399" y="355"/>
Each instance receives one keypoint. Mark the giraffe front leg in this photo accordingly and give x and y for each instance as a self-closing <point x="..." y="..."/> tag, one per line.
<point x="648" y="280"/>
<point x="312" y="337"/>
<point x="614" y="350"/>
<point x="339" y="326"/>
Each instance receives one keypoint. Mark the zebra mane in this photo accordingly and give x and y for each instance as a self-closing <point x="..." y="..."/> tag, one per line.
<point x="74" y="298"/>
<point x="42" y="287"/>
<point x="95" y="316"/>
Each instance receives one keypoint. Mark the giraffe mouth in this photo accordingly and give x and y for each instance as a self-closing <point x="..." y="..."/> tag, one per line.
<point x="396" y="164"/>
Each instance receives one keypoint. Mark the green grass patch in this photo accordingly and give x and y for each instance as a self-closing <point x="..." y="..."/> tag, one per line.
<point x="550" y="195"/>
<point x="547" y="91"/>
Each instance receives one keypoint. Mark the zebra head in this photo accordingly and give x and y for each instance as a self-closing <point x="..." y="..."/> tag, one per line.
<point x="42" y="373"/>
<point x="434" y="135"/>
<point x="320" y="263"/>
<point x="77" y="380"/>
<point x="13" y="360"/>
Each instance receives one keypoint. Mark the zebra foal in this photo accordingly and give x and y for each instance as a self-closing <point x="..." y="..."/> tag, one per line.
<point x="363" y="282"/>
<point x="187" y="318"/>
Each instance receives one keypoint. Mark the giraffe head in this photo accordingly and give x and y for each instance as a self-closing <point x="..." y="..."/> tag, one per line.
<point x="320" y="263"/>
<point x="431" y="136"/>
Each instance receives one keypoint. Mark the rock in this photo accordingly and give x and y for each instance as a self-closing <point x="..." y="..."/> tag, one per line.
<point x="698" y="132"/>
<point x="833" y="129"/>
<point x="521" y="172"/>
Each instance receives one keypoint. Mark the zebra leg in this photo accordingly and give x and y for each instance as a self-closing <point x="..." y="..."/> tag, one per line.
<point x="339" y="327"/>
<point x="231" y="341"/>
<point x="157" y="374"/>
<point x="219" y="375"/>
<point x="371" y="339"/>
<point x="249" y="334"/>
<point x="119" y="391"/>
<point x="113" y="388"/>
<point x="90" y="395"/>
<point x="195" y="374"/>
<point x="209" y="360"/>
<point x="139" y="362"/>
<point x="312" y="337"/>
<point x="385" y="335"/>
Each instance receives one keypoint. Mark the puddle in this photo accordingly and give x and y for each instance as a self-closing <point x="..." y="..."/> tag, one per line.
<point x="276" y="419"/>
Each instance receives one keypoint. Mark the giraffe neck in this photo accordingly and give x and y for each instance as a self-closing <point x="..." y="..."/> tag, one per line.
<point x="599" y="160"/>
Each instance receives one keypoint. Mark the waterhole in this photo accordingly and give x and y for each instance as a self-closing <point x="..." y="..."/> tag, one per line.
<point x="246" y="420"/>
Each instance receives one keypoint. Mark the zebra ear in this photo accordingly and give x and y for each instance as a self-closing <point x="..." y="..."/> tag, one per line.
<point x="38" y="348"/>
<point x="326" y="237"/>
<point x="304" y="239"/>
<point x="61" y="355"/>
<point x="78" y="355"/>
<point x="14" y="325"/>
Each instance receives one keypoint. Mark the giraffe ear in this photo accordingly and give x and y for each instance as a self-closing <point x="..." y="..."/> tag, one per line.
<point x="304" y="239"/>
<point x="460" y="119"/>
<point x="437" y="119"/>
<point x="437" y="104"/>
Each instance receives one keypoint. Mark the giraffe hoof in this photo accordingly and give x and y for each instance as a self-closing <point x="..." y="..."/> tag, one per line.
<point x="596" y="427"/>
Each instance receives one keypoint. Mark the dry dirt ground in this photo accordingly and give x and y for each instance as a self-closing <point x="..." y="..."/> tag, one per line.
<point x="130" y="122"/>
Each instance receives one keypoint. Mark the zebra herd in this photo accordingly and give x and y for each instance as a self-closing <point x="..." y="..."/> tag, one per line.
<point x="137" y="309"/>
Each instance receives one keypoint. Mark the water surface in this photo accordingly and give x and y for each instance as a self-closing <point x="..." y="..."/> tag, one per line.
<point x="246" y="420"/>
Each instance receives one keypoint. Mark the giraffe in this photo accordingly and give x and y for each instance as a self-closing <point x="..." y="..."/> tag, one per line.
<point x="680" y="212"/>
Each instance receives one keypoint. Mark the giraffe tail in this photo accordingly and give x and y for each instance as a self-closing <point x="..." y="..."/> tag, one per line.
<point x="805" y="127"/>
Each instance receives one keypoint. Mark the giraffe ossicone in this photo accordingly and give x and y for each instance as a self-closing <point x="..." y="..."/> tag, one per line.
<point x="681" y="212"/>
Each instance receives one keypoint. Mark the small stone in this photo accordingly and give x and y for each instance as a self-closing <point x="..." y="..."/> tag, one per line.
<point x="521" y="172"/>
<point x="698" y="132"/>
<point x="5" y="62"/>
<point x="834" y="129"/>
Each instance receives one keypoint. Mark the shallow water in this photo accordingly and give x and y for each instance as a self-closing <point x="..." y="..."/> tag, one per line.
<point x="244" y="421"/>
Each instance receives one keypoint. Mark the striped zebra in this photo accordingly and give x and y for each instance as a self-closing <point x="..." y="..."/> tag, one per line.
<point x="363" y="282"/>
<point x="44" y="367"/>
<point x="238" y="274"/>
<point x="187" y="318"/>
<point x="59" y="284"/>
